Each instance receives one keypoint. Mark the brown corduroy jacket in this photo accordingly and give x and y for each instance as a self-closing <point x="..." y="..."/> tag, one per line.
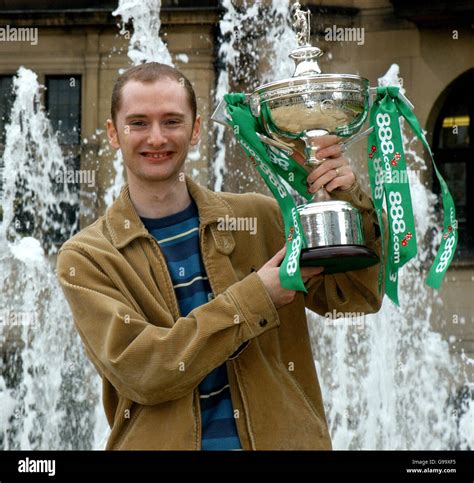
<point x="151" y="359"/>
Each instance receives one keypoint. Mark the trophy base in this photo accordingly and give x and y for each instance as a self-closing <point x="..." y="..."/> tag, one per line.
<point x="338" y="258"/>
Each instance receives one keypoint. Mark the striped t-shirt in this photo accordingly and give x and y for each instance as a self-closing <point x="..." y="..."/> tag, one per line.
<point x="178" y="237"/>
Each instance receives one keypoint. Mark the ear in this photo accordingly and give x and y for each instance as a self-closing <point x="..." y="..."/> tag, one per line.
<point x="112" y="134"/>
<point x="196" y="131"/>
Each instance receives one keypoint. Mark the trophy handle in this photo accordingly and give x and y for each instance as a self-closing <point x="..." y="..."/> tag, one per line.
<point x="220" y="114"/>
<point x="274" y="143"/>
<point x="345" y="145"/>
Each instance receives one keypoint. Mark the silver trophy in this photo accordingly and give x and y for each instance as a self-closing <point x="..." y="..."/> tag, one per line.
<point x="295" y="112"/>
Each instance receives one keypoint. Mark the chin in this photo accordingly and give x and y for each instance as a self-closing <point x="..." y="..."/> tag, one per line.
<point x="159" y="176"/>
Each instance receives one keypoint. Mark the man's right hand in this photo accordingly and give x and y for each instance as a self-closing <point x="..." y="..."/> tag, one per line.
<point x="271" y="279"/>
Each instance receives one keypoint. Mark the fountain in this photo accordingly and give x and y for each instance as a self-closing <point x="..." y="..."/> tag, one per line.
<point x="388" y="379"/>
<point x="48" y="390"/>
<point x="248" y="36"/>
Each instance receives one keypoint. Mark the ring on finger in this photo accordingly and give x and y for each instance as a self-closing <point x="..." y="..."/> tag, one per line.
<point x="337" y="171"/>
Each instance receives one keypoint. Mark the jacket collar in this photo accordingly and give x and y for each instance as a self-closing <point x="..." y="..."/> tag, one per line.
<point x="125" y="225"/>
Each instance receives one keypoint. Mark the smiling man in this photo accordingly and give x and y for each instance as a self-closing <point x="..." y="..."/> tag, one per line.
<point x="197" y="343"/>
<point x="154" y="125"/>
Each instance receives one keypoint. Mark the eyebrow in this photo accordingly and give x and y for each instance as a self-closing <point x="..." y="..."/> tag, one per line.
<point x="168" y="114"/>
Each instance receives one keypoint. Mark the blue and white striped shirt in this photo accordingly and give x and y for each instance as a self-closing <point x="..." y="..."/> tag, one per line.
<point x="178" y="237"/>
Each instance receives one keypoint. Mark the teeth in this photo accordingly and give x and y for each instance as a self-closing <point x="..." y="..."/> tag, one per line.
<point x="156" y="155"/>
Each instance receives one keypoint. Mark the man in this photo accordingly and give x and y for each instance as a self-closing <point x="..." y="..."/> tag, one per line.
<point x="197" y="343"/>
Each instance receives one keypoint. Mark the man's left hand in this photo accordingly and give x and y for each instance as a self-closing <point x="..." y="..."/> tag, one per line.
<point x="335" y="172"/>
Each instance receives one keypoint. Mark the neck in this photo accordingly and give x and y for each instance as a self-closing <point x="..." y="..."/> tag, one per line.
<point x="160" y="198"/>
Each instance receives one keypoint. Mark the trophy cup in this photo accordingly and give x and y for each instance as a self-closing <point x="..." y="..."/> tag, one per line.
<point x="280" y="124"/>
<point x="295" y="112"/>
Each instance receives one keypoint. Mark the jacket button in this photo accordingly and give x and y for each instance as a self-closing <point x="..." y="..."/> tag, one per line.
<point x="263" y="322"/>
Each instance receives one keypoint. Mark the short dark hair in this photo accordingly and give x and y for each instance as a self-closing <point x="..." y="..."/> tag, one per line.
<point x="150" y="72"/>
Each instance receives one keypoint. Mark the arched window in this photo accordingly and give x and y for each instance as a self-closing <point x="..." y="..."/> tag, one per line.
<point x="453" y="149"/>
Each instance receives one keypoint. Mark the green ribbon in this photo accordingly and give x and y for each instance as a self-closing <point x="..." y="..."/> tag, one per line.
<point x="389" y="182"/>
<point x="272" y="163"/>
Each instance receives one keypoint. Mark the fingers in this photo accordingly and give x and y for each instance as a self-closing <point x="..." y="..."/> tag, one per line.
<point x="342" y="182"/>
<point x="328" y="165"/>
<point x="333" y="174"/>
<point x="308" y="272"/>
<point x="277" y="258"/>
<point x="331" y="151"/>
<point x="305" y="271"/>
<point x="324" y="142"/>
<point x="340" y="177"/>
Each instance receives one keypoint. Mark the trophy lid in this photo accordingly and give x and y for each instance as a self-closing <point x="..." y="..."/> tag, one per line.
<point x="307" y="76"/>
<point x="305" y="55"/>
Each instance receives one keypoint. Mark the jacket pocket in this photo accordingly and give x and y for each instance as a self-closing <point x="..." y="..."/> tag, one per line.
<point x="321" y="419"/>
<point x="125" y="424"/>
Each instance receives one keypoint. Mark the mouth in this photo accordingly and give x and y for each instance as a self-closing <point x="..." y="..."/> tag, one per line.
<point x="156" y="156"/>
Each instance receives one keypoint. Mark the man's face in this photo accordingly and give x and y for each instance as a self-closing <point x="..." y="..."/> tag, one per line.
<point x="154" y="129"/>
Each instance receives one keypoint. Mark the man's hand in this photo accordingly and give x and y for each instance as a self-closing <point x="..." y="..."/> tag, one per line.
<point x="271" y="279"/>
<point x="333" y="173"/>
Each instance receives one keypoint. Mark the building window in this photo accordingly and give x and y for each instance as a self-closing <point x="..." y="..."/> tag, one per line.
<point x="6" y="104"/>
<point x="63" y="104"/>
<point x="453" y="148"/>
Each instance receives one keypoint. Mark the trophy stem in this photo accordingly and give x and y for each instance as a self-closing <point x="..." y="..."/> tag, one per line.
<point x="320" y="195"/>
<point x="310" y="139"/>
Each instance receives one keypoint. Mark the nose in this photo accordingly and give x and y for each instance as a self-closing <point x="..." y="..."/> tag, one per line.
<point x="156" y="135"/>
